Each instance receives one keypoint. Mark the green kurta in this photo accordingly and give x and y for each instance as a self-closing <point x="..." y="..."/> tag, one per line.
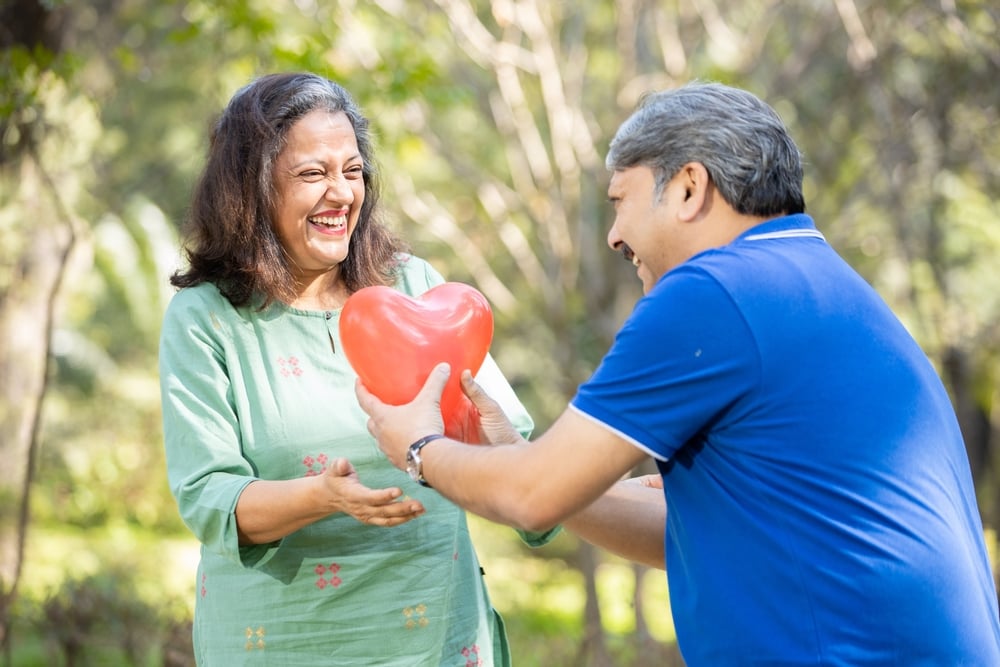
<point x="268" y="395"/>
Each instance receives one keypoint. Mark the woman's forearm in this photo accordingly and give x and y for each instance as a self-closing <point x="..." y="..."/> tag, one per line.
<point x="270" y="510"/>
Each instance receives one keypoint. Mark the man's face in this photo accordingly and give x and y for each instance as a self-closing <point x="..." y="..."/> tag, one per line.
<point x="642" y="224"/>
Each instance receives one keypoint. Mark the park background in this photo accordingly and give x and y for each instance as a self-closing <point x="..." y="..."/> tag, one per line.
<point x="492" y="119"/>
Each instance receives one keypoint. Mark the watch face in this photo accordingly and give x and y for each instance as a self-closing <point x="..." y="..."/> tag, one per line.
<point x="412" y="467"/>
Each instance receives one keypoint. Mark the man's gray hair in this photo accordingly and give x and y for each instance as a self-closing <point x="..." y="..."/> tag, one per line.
<point x="740" y="140"/>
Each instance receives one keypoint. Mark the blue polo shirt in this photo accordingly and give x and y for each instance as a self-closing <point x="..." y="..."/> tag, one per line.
<point x="820" y="504"/>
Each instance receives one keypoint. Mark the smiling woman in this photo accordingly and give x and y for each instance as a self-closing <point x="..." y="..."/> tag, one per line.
<point x="320" y="189"/>
<point x="315" y="549"/>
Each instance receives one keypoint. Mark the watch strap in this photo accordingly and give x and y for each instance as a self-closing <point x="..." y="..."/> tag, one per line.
<point x="414" y="454"/>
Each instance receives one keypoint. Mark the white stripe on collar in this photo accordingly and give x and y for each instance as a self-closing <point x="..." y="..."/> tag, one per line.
<point x="786" y="234"/>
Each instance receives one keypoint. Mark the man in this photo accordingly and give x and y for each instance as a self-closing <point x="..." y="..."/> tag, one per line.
<point x="819" y="503"/>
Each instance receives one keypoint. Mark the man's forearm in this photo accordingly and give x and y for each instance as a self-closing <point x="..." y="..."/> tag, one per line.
<point x="475" y="477"/>
<point x="528" y="485"/>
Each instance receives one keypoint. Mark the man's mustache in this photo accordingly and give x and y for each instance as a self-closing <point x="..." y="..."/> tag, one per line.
<point x="627" y="252"/>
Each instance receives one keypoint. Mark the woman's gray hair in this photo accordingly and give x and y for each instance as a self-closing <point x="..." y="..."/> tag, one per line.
<point x="740" y="140"/>
<point x="283" y="99"/>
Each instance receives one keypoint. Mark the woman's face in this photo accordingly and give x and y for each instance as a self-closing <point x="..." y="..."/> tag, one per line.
<point x="320" y="188"/>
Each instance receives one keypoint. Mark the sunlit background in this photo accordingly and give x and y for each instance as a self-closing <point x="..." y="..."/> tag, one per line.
<point x="492" y="120"/>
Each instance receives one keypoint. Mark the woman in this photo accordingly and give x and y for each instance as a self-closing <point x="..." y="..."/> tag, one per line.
<point x="312" y="550"/>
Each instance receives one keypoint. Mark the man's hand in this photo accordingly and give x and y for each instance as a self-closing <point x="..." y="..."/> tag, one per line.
<point x="491" y="425"/>
<point x="397" y="427"/>
<point x="463" y="425"/>
<point x="480" y="419"/>
<point x="654" y="481"/>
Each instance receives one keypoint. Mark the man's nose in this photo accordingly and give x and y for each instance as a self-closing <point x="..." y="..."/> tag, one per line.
<point x="614" y="240"/>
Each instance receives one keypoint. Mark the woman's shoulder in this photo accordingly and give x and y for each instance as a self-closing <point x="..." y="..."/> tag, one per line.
<point x="416" y="275"/>
<point x="200" y="302"/>
<point x="202" y="294"/>
<point x="408" y="263"/>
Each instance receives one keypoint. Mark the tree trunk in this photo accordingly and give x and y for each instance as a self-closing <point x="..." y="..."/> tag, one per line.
<point x="974" y="420"/>
<point x="36" y="236"/>
<point x="593" y="649"/>
<point x="28" y="289"/>
<point x="960" y="375"/>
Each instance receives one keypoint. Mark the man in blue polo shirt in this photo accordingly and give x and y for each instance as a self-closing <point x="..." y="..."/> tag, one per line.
<point x="819" y="504"/>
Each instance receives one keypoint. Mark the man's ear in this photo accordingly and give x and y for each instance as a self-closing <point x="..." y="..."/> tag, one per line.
<point x="695" y="182"/>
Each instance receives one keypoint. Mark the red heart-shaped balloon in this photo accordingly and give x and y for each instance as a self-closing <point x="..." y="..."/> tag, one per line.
<point x="393" y="340"/>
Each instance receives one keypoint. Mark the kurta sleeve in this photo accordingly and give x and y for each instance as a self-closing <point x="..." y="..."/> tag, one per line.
<point x="205" y="468"/>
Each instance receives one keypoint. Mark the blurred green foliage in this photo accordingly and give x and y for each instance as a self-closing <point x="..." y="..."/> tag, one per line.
<point x="492" y="120"/>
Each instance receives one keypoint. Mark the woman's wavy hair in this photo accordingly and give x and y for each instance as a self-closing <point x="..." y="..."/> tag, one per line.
<point x="229" y="237"/>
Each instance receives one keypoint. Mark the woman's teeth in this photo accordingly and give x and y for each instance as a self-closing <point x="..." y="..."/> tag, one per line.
<point x="327" y="221"/>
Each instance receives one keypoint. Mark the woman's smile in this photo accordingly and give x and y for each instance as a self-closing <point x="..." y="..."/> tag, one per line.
<point x="320" y="182"/>
<point x="332" y="223"/>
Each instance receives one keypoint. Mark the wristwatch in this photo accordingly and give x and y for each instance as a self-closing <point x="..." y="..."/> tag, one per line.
<point x="414" y="465"/>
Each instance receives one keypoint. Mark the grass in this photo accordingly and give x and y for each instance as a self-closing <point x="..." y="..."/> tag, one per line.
<point x="107" y="595"/>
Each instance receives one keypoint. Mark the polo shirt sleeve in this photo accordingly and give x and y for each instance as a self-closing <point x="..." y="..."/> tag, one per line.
<point x="681" y="366"/>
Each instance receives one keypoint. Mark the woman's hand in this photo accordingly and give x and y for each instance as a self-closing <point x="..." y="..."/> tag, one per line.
<point x="269" y="510"/>
<point x="375" y="507"/>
